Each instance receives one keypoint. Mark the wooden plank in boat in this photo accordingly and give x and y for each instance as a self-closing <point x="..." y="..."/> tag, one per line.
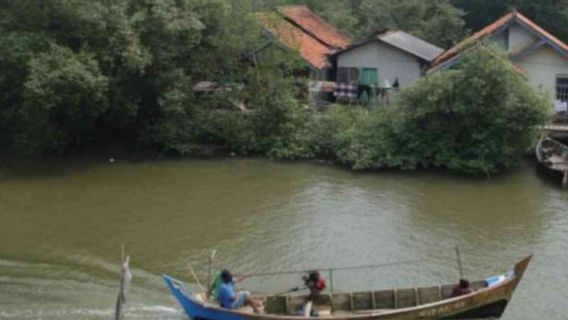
<point x="296" y="303"/>
<point x="276" y="305"/>
<point x="362" y="301"/>
<point x="341" y="301"/>
<point x="384" y="299"/>
<point x="447" y="291"/>
<point x="476" y="285"/>
<point x="429" y="294"/>
<point x="322" y="299"/>
<point x="406" y="298"/>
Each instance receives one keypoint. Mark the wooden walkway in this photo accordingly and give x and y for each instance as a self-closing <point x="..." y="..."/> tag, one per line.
<point x="563" y="128"/>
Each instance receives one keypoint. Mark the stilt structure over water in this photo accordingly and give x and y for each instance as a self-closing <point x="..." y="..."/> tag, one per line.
<point x="553" y="155"/>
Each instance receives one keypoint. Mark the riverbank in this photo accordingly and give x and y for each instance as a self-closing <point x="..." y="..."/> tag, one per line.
<point x="14" y="166"/>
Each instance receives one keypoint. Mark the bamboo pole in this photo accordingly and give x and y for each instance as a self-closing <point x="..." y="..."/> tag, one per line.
<point x="459" y="259"/>
<point x="197" y="280"/>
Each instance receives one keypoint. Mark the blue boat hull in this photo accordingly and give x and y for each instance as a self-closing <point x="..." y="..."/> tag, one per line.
<point x="193" y="308"/>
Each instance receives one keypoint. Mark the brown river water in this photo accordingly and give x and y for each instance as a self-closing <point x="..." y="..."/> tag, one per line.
<point x="62" y="224"/>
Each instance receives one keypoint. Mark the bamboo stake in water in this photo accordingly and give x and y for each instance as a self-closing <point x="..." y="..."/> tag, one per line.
<point x="460" y="267"/>
<point x="211" y="258"/>
<point x="125" y="278"/>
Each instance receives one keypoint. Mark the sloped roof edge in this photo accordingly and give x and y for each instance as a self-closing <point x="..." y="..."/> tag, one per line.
<point x="382" y="38"/>
<point x="290" y="37"/>
<point x="313" y="24"/>
<point x="513" y="16"/>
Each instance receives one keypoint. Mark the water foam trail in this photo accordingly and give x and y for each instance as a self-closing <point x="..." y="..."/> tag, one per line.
<point x="41" y="290"/>
<point x="134" y="312"/>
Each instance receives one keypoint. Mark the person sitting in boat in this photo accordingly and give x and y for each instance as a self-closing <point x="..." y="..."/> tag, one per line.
<point x="230" y="299"/>
<point x="462" y="288"/>
<point x="315" y="282"/>
<point x="217" y="282"/>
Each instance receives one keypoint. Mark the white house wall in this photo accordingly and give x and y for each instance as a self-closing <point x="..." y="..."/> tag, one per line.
<point x="520" y="38"/>
<point x="543" y="66"/>
<point x="390" y="62"/>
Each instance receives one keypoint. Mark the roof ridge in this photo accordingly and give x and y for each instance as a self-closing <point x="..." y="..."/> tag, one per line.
<point x="292" y="6"/>
<point x="316" y="17"/>
<point x="298" y="44"/>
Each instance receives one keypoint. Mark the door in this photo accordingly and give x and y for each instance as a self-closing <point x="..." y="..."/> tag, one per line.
<point x="369" y="77"/>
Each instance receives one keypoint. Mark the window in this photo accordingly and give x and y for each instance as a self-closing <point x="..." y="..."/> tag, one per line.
<point x="347" y="75"/>
<point x="562" y="88"/>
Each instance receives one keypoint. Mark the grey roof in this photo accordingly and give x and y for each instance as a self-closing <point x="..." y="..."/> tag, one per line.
<point x="411" y="44"/>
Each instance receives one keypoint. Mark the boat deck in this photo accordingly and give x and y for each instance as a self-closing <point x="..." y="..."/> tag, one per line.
<point x="357" y="303"/>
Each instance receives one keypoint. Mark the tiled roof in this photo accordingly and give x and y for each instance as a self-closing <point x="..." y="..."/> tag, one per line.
<point x="402" y="41"/>
<point x="304" y="18"/>
<point x="492" y="28"/>
<point x="411" y="44"/>
<point x="294" y="38"/>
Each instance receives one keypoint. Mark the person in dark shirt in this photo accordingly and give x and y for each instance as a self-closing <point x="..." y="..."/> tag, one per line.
<point x="462" y="289"/>
<point x="315" y="282"/>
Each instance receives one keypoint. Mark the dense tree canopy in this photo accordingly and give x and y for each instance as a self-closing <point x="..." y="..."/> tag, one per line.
<point x="76" y="73"/>
<point x="79" y="72"/>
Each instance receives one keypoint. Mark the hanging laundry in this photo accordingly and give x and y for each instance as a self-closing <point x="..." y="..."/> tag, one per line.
<point x="561" y="107"/>
<point x="346" y="91"/>
<point x="322" y="86"/>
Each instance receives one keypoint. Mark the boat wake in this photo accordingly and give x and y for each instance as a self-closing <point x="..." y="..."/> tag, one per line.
<point x="30" y="290"/>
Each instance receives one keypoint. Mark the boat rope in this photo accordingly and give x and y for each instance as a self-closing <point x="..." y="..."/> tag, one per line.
<point x="369" y="266"/>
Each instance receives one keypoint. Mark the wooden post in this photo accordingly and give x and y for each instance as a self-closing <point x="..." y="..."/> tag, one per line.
<point x="125" y="277"/>
<point x="458" y="255"/>
<point x="331" y="280"/>
<point x="565" y="179"/>
<point x="211" y="258"/>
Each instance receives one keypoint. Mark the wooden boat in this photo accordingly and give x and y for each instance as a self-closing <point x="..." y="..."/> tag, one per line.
<point x="553" y="155"/>
<point x="489" y="300"/>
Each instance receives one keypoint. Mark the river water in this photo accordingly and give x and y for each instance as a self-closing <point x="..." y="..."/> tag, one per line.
<point x="62" y="225"/>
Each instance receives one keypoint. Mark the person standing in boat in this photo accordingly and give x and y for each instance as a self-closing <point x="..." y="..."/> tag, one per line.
<point x="315" y="282"/>
<point x="230" y="299"/>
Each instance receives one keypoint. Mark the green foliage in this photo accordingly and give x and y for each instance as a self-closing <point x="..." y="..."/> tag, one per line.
<point x="436" y="21"/>
<point x="144" y="49"/>
<point x="64" y="95"/>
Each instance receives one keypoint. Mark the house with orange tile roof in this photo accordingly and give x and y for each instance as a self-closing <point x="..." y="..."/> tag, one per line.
<point x="541" y="56"/>
<point x="300" y="30"/>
